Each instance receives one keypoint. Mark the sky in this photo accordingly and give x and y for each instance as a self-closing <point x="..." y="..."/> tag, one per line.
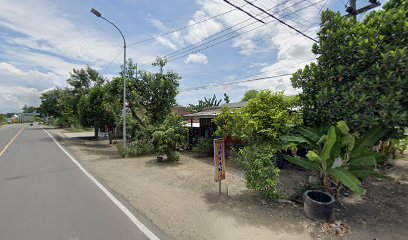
<point x="41" y="41"/>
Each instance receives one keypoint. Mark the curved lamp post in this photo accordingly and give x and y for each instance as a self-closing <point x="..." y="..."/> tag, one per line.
<point x="98" y="14"/>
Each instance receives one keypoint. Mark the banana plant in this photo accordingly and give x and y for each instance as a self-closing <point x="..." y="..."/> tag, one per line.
<point x="339" y="155"/>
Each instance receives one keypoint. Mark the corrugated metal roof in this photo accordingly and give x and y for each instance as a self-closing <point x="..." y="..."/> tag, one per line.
<point x="204" y="114"/>
<point x="211" y="112"/>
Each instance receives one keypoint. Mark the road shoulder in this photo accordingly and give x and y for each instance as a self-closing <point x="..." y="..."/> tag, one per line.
<point x="66" y="144"/>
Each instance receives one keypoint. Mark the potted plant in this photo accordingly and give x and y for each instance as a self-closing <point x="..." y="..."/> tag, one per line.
<point x="339" y="157"/>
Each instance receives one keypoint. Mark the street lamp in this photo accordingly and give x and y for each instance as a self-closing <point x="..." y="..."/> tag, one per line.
<point x="98" y="14"/>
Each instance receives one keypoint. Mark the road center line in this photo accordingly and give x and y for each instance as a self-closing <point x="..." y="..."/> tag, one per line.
<point x="126" y="211"/>
<point x="11" y="141"/>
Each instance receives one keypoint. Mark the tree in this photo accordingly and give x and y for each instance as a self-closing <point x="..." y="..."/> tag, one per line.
<point x="249" y="95"/>
<point x="264" y="119"/>
<point x="49" y="102"/>
<point x="58" y="104"/>
<point x="93" y="111"/>
<point x="226" y="98"/>
<point x="29" y="109"/>
<point x="2" y="118"/>
<point x="151" y="94"/>
<point x="210" y="102"/>
<point x="160" y="62"/>
<point x="361" y="71"/>
<point x="81" y="81"/>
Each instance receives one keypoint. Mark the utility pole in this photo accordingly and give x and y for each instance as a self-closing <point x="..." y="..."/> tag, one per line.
<point x="98" y="14"/>
<point x="353" y="11"/>
<point x="353" y="4"/>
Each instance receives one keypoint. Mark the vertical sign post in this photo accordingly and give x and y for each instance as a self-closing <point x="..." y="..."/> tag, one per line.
<point x="219" y="161"/>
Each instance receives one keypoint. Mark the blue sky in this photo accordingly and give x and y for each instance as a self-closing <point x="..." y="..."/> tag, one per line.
<point x="41" y="41"/>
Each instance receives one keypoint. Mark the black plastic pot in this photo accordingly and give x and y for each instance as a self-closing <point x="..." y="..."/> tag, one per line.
<point x="318" y="205"/>
<point x="159" y="159"/>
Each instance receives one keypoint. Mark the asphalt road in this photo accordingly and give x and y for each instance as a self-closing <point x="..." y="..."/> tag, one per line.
<point x="44" y="195"/>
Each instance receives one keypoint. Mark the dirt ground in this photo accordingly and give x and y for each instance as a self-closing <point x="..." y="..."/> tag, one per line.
<point x="182" y="199"/>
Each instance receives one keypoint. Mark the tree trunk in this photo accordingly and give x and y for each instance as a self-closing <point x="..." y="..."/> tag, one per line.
<point x="96" y="132"/>
<point x="132" y="110"/>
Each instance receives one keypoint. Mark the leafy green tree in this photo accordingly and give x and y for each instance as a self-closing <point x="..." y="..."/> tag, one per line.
<point x="29" y="109"/>
<point x="361" y="71"/>
<point x="249" y="94"/>
<point x="93" y="110"/>
<point x="151" y="94"/>
<point x="80" y="82"/>
<point x="49" y="102"/>
<point x="2" y="118"/>
<point x="264" y="119"/>
<point x="58" y="104"/>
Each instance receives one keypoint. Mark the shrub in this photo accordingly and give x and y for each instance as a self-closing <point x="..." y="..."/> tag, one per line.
<point x="203" y="147"/>
<point x="260" y="172"/>
<point x="169" y="137"/>
<point x="136" y="148"/>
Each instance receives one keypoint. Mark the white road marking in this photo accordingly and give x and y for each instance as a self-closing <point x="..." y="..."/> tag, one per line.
<point x="126" y="211"/>
<point x="10" y="142"/>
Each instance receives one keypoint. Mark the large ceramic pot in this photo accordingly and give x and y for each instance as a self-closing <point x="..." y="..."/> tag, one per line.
<point x="318" y="205"/>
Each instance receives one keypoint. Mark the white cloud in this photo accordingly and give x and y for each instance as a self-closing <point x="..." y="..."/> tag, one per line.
<point x="200" y="31"/>
<point x="166" y="42"/>
<point x="49" y="29"/>
<point x="13" y="98"/>
<point x="288" y="47"/>
<point x="196" y="58"/>
<point x="10" y="75"/>
<point x="156" y="23"/>
<point x="19" y="87"/>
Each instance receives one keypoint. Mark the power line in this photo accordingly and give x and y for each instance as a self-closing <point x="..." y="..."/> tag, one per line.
<point x="279" y="20"/>
<point x="242" y="10"/>
<point x="110" y="63"/>
<point x="251" y="75"/>
<point x="184" y="27"/>
<point x="247" y="80"/>
<point x="231" y="27"/>
<point x="321" y="8"/>
<point x="233" y="82"/>
<point x="238" y="34"/>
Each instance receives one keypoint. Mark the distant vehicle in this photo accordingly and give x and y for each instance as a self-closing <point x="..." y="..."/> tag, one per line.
<point x="31" y="124"/>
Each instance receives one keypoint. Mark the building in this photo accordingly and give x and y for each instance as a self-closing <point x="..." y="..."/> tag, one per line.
<point x="205" y="127"/>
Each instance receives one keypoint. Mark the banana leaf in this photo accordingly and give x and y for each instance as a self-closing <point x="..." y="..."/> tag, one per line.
<point x="331" y="139"/>
<point x="303" y="162"/>
<point x="363" y="173"/>
<point x="347" y="178"/>
<point x="297" y="139"/>
<point x="368" y="160"/>
<point x="311" y="134"/>
<point x="369" y="139"/>
<point x="343" y="127"/>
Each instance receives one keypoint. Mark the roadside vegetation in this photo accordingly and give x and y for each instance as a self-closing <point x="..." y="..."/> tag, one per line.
<point x="349" y="120"/>
<point x="353" y="98"/>
<point x="91" y="101"/>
